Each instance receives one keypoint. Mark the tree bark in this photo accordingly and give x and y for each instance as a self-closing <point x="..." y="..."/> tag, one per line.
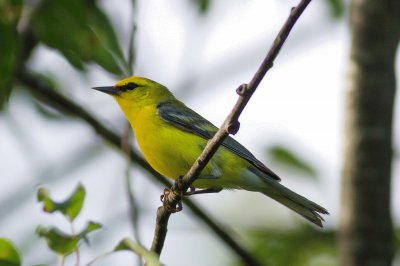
<point x="366" y="234"/>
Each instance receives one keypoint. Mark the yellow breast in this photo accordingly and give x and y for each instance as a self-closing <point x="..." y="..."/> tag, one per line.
<point x="169" y="150"/>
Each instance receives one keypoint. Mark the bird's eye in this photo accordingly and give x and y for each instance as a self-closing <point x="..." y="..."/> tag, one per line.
<point x="129" y="86"/>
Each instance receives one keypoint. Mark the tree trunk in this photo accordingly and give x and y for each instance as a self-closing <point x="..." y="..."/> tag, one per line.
<point x="366" y="235"/>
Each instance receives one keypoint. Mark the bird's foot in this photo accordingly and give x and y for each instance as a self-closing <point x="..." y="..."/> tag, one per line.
<point x="171" y="200"/>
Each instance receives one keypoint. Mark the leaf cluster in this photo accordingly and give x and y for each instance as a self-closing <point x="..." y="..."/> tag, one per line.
<point x="64" y="244"/>
<point x="58" y="241"/>
<point x="79" y="30"/>
<point x="303" y="245"/>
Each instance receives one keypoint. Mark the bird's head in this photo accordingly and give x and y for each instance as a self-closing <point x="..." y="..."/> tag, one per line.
<point x="136" y="92"/>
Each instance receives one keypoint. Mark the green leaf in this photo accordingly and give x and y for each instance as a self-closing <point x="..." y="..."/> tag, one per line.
<point x="63" y="243"/>
<point x="102" y="28"/>
<point x="58" y="241"/>
<point x="92" y="226"/>
<point x="10" y="11"/>
<point x="81" y="32"/>
<point x="71" y="207"/>
<point x="301" y="246"/>
<point x="47" y="112"/>
<point x="337" y="8"/>
<point x="397" y="239"/>
<point x="203" y="5"/>
<point x="288" y="158"/>
<point x="9" y="255"/>
<point x="150" y="257"/>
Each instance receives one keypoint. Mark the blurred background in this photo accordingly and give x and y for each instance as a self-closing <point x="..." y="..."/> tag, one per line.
<point x="53" y="52"/>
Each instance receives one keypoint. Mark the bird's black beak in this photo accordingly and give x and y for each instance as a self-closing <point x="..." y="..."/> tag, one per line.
<point x="111" y="90"/>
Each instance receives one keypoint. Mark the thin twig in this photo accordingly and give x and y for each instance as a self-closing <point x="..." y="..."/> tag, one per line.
<point x="76" y="252"/>
<point x="132" y="50"/>
<point x="230" y="126"/>
<point x="98" y="258"/>
<point x="61" y="260"/>
<point x="49" y="95"/>
<point x="131" y="45"/>
<point x="132" y="202"/>
<point x="126" y="143"/>
<point x="133" y="208"/>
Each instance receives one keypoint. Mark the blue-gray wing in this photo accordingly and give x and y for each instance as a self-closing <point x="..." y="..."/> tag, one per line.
<point x="188" y="120"/>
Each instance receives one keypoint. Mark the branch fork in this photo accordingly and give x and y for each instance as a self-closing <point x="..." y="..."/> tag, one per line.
<point x="172" y="198"/>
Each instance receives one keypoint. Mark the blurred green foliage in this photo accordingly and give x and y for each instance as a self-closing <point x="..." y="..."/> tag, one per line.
<point x="287" y="157"/>
<point x="150" y="257"/>
<point x="202" y="5"/>
<point x="71" y="207"/>
<point x="58" y="241"/>
<point x="397" y="239"/>
<point x="10" y="11"/>
<point x="62" y="243"/>
<point x="300" y="246"/>
<point x="9" y="256"/>
<point x="337" y="8"/>
<point x="81" y="32"/>
<point x="303" y="245"/>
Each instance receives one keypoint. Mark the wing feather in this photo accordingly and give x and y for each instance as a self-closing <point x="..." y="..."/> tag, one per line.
<point x="188" y="120"/>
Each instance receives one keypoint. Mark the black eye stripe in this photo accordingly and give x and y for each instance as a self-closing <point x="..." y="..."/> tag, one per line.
<point x="129" y="86"/>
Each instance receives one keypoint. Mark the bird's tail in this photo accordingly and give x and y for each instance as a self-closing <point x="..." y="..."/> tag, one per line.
<point x="306" y="208"/>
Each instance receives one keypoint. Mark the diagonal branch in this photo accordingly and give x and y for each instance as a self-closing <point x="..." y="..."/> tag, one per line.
<point x="126" y="140"/>
<point x="49" y="95"/>
<point x="58" y="101"/>
<point x="230" y="126"/>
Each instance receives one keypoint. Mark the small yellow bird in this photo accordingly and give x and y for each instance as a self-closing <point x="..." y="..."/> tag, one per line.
<point x="172" y="136"/>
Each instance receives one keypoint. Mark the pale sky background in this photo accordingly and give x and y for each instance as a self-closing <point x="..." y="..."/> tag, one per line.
<point x="203" y="59"/>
